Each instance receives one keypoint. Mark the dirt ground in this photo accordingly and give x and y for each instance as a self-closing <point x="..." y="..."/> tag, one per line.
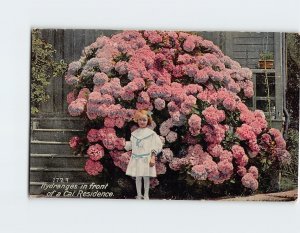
<point x="290" y="195"/>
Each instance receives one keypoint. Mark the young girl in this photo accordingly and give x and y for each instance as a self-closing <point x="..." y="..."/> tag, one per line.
<point x="145" y="145"/>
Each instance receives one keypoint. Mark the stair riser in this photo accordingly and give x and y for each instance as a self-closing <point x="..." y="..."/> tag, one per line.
<point x="50" y="149"/>
<point x="59" y="124"/>
<point x="58" y="162"/>
<point x="57" y="136"/>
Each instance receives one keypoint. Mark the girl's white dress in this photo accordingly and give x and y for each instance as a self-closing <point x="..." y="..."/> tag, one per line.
<point x="143" y="142"/>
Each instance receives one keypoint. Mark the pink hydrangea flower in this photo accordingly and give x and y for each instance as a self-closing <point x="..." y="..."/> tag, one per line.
<point x="249" y="181"/>
<point x="212" y="170"/>
<point x="201" y="76"/>
<point x="241" y="171"/>
<point x="237" y="151"/>
<point x="199" y="172"/>
<point x="92" y="110"/>
<point x="93" y="168"/>
<point x="225" y="167"/>
<point x="109" y="122"/>
<point x="92" y="135"/>
<point x="160" y="168"/>
<point x="74" y="142"/>
<point x="243" y="161"/>
<point x="189" y="44"/>
<point x="153" y="36"/>
<point x="213" y="115"/>
<point x="95" y="152"/>
<point x="194" y="124"/>
<point x="167" y="155"/>
<point x="107" y="99"/>
<point x="71" y="79"/>
<point x="233" y="87"/>
<point x="119" y="143"/>
<point x="103" y="132"/>
<point x="254" y="147"/>
<point x="109" y="141"/>
<point x="215" y="150"/>
<point x="266" y="138"/>
<point x="95" y="97"/>
<point x="164" y="128"/>
<point x="283" y="156"/>
<point x="280" y="143"/>
<point x="214" y="134"/>
<point x="171" y="137"/>
<point x="121" y="67"/>
<point x="189" y="139"/>
<point x="193" y="89"/>
<point x="74" y="67"/>
<point x="77" y="107"/>
<point x="253" y="170"/>
<point x="226" y="155"/>
<point x="175" y="164"/>
<point x="245" y="132"/>
<point x="159" y="104"/>
<point x="119" y="122"/>
<point x="127" y="95"/>
<point x="84" y="93"/>
<point x="121" y="159"/>
<point x="229" y="104"/>
<point x="144" y="106"/>
<point x="275" y="132"/>
<point x="70" y="97"/>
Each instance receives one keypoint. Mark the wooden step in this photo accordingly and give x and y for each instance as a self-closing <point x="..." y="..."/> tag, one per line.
<point x="46" y="147"/>
<point x="57" y="123"/>
<point x="54" y="134"/>
<point x="58" y="161"/>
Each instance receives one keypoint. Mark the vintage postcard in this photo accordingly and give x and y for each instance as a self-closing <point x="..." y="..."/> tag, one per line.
<point x="169" y="115"/>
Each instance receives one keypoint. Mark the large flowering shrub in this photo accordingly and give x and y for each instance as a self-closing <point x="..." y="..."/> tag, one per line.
<point x="196" y="94"/>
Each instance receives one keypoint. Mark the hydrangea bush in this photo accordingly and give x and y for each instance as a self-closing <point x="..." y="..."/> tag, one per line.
<point x="197" y="97"/>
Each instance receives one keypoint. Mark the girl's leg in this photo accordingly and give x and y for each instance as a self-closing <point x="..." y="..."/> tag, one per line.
<point x="138" y="183"/>
<point x="146" y="187"/>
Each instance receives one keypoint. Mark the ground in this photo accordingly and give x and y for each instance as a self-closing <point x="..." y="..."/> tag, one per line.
<point x="290" y="195"/>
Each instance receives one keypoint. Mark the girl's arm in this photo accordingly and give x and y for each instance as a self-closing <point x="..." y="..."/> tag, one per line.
<point x="157" y="147"/>
<point x="128" y="145"/>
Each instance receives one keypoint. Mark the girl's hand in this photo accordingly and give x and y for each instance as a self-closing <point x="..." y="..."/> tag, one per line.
<point x="152" y="161"/>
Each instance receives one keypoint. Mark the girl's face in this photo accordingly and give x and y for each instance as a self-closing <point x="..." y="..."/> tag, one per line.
<point x="143" y="121"/>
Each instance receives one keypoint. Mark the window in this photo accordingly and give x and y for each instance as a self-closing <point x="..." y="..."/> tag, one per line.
<point x="265" y="95"/>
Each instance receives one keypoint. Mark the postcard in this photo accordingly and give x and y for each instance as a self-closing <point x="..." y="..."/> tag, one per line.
<point x="168" y="115"/>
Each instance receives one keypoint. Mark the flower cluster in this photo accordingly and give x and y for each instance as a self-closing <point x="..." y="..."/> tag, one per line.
<point x="120" y="159"/>
<point x="93" y="168"/>
<point x="196" y="94"/>
<point x="74" y="142"/>
<point x="95" y="152"/>
<point x="194" y="124"/>
<point x="213" y="116"/>
<point x="273" y="142"/>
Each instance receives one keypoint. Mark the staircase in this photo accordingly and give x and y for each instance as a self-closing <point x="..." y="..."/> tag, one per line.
<point x="50" y="154"/>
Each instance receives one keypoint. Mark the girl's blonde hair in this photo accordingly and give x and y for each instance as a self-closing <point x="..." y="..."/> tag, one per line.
<point x="139" y="113"/>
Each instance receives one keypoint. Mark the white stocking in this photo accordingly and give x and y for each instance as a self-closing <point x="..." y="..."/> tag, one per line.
<point x="138" y="183"/>
<point x="146" y="186"/>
